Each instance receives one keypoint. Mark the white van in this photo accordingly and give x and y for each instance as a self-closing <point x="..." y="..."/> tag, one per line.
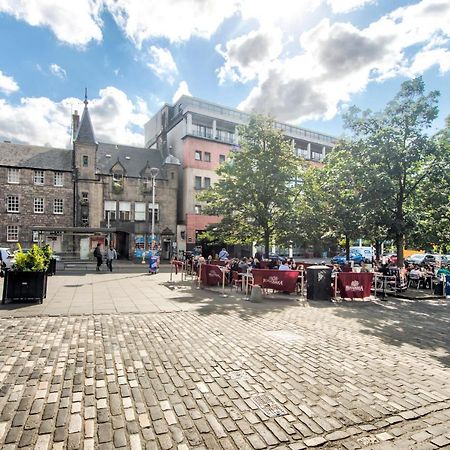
<point x="6" y="257"/>
<point x="366" y="252"/>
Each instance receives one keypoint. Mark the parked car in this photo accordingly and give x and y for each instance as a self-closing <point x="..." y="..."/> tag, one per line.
<point x="421" y="259"/>
<point x="7" y="257"/>
<point x="366" y="252"/>
<point x="441" y="259"/>
<point x="341" y="259"/>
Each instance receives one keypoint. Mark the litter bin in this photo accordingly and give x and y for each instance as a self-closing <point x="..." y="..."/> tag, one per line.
<point x="318" y="283"/>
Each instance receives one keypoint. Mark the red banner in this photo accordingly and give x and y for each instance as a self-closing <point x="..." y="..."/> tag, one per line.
<point x="354" y="285"/>
<point x="211" y="275"/>
<point x="280" y="280"/>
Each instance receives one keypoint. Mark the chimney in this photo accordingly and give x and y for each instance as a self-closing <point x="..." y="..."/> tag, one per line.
<point x="75" y="124"/>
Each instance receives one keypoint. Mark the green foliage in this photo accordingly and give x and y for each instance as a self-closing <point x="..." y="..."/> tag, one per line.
<point x="254" y="195"/>
<point x="35" y="260"/>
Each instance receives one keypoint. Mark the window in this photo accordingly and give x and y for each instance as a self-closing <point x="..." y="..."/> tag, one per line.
<point x="198" y="183"/>
<point x="153" y="209"/>
<point x="85" y="195"/>
<point x="59" y="179"/>
<point x="85" y="161"/>
<point x="13" y="176"/>
<point x="124" y="210"/>
<point x="85" y="221"/>
<point x="12" y="233"/>
<point x="221" y="159"/>
<point x="139" y="211"/>
<point x="13" y="203"/>
<point x="207" y="183"/>
<point x="117" y="177"/>
<point x="38" y="205"/>
<point x="35" y="236"/>
<point x="198" y="155"/>
<point x="207" y="157"/>
<point x="58" y="206"/>
<point x="110" y="209"/>
<point x="39" y="177"/>
<point x="198" y="209"/>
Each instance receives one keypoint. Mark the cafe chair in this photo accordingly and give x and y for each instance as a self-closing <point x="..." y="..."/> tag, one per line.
<point x="414" y="279"/>
<point x="236" y="281"/>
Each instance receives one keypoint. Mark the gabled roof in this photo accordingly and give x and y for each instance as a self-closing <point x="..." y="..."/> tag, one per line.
<point x="132" y="159"/>
<point x="34" y="157"/>
<point x="85" y="132"/>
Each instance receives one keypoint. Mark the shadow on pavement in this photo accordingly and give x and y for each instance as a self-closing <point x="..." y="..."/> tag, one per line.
<point x="209" y="301"/>
<point x="422" y="324"/>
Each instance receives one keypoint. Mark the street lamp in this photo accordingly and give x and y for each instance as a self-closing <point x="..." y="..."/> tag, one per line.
<point x="153" y="173"/>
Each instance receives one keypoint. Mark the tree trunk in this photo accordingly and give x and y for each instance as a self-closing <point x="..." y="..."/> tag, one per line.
<point x="266" y="244"/>
<point x="347" y="248"/>
<point x="377" y="250"/>
<point x="400" y="242"/>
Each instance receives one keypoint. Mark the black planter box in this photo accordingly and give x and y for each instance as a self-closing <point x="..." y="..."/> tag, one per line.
<point x="51" y="267"/>
<point x="24" y="286"/>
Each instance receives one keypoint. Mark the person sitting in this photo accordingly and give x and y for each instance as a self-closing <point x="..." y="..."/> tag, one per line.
<point x="443" y="271"/>
<point x="292" y="264"/>
<point x="284" y="265"/>
<point x="243" y="266"/>
<point x="364" y="268"/>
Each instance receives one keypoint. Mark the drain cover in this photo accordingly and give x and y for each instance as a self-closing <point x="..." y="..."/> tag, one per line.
<point x="268" y="405"/>
<point x="284" y="336"/>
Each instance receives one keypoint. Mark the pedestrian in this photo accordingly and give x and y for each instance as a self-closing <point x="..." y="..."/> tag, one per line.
<point x="110" y="255"/>
<point x="98" y="255"/>
<point x="223" y="254"/>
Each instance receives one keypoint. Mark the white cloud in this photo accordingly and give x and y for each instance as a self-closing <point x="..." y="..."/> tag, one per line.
<point x="162" y="63"/>
<point x="345" y="6"/>
<point x="7" y="84"/>
<point x="337" y="60"/>
<point x="41" y="121"/>
<point x="175" y="20"/>
<point x="183" y="89"/>
<point x="58" y="71"/>
<point x="247" y="55"/>
<point x="75" y="23"/>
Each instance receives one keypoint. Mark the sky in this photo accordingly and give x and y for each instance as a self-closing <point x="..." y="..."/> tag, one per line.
<point x="301" y="61"/>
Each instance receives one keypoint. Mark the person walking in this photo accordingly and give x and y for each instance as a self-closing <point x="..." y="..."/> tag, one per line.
<point x="98" y="255"/>
<point x="110" y="255"/>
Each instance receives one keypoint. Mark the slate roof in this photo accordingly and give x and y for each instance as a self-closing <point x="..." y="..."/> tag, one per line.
<point x="133" y="159"/>
<point x="34" y="157"/>
<point x="85" y="132"/>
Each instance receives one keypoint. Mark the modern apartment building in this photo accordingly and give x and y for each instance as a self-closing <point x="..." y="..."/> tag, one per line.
<point x="201" y="134"/>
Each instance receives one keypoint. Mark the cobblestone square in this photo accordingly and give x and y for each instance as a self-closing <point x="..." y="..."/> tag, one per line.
<point x="188" y="369"/>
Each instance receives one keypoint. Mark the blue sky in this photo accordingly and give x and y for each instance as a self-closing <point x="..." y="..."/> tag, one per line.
<point x="303" y="61"/>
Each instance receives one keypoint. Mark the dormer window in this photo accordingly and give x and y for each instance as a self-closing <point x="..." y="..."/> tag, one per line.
<point x="117" y="177"/>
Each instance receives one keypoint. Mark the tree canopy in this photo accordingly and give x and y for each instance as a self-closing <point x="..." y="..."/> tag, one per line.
<point x="257" y="187"/>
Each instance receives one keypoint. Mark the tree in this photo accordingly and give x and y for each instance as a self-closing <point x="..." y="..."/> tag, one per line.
<point x="330" y="205"/>
<point x="255" y="193"/>
<point x="432" y="214"/>
<point x="396" y="154"/>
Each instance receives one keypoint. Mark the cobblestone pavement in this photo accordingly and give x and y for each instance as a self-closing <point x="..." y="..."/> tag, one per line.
<point x="229" y="375"/>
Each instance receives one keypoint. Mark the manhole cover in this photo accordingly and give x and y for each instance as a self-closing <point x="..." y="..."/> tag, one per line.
<point x="284" y="336"/>
<point x="238" y="375"/>
<point x="268" y="405"/>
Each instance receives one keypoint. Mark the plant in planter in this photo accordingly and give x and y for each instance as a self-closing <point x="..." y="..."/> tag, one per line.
<point x="28" y="278"/>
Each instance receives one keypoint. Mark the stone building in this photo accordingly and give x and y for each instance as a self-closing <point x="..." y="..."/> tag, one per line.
<point x="96" y="192"/>
<point x="36" y="190"/>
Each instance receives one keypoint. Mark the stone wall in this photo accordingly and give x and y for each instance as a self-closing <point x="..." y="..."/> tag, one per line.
<point x="26" y="190"/>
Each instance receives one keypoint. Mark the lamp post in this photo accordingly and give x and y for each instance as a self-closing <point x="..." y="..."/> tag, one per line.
<point x="153" y="173"/>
